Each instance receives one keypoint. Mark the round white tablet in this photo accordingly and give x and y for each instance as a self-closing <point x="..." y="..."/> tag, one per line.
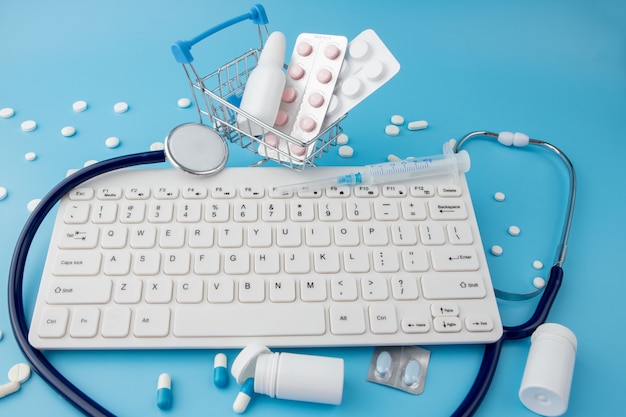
<point x="342" y="139"/>
<point x="184" y="102"/>
<point x="496" y="250"/>
<point x="3" y="193"/>
<point x="19" y="373"/>
<point x="68" y="131"/>
<point x="7" y="112"/>
<point x="79" y="106"/>
<point x="89" y="163"/>
<point x="120" y="107"/>
<point x="499" y="196"/>
<point x="396" y="119"/>
<point x="30" y="156"/>
<point x="157" y="146"/>
<point x="32" y="204"/>
<point x="539" y="282"/>
<point x="392" y="130"/>
<point x="346" y="151"/>
<point x="514" y="231"/>
<point x="112" y="142"/>
<point x="537" y="265"/>
<point x="28" y="125"/>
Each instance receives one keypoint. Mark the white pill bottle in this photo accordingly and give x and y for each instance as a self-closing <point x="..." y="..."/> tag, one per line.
<point x="547" y="379"/>
<point x="291" y="376"/>
<point x="265" y="85"/>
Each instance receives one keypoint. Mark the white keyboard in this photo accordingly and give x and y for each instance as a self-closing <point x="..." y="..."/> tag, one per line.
<point x="162" y="259"/>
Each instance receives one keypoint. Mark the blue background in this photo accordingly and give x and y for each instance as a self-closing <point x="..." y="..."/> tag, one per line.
<point x="555" y="70"/>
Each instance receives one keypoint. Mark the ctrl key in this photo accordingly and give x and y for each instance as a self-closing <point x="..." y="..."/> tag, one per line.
<point x="53" y="322"/>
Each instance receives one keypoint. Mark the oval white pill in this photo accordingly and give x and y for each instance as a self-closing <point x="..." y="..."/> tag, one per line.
<point x="7" y="112"/>
<point x="79" y="106"/>
<point x="19" y="373"/>
<point x="3" y="193"/>
<point x="28" y="125"/>
<point x="514" y="231"/>
<point x="89" y="163"/>
<point x="112" y="142"/>
<point x="346" y="151"/>
<point x="537" y="265"/>
<point x="30" y="156"/>
<point x="418" y="125"/>
<point x="32" y="204"/>
<point x="499" y="196"/>
<point x="396" y="119"/>
<point x="68" y="131"/>
<point x="120" y="107"/>
<point x="342" y="139"/>
<point x="9" y="388"/>
<point x="539" y="282"/>
<point x="392" y="130"/>
<point x="496" y="250"/>
<point x="184" y="102"/>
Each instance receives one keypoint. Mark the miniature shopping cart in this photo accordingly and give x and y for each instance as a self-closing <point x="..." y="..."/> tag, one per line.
<point x="217" y="96"/>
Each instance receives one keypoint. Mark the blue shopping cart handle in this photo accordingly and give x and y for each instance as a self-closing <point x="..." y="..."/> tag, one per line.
<point x="182" y="49"/>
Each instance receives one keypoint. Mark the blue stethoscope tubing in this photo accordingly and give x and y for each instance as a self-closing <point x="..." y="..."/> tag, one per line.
<point x="89" y="407"/>
<point x="491" y="356"/>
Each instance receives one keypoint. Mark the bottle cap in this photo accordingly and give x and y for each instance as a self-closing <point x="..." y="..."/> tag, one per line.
<point x="245" y="363"/>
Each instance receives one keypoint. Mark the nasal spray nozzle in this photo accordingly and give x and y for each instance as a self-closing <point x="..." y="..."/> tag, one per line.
<point x="448" y="163"/>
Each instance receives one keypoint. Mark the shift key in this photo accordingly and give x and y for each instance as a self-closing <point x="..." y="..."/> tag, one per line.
<point x="79" y="291"/>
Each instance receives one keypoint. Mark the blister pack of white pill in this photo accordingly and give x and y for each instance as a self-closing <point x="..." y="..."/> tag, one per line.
<point x="368" y="64"/>
<point x="401" y="367"/>
<point x="312" y="74"/>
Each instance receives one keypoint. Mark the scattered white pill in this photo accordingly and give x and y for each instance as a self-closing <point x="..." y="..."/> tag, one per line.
<point x="7" y="112"/>
<point x="392" y="158"/>
<point x="398" y="120"/>
<point x="68" y="131"/>
<point x="244" y="396"/>
<point x="19" y="373"/>
<point x="496" y="250"/>
<point x="157" y="146"/>
<point x="499" y="196"/>
<point x="164" y="392"/>
<point x="120" y="107"/>
<point x="392" y="130"/>
<point x="3" y="193"/>
<point x="32" y="204"/>
<point x="28" y="125"/>
<point x="539" y="282"/>
<point x="89" y="163"/>
<point x="79" y="106"/>
<point x="112" y="142"/>
<point x="342" y="139"/>
<point x="346" y="151"/>
<point x="418" y="125"/>
<point x="514" y="231"/>
<point x="537" y="265"/>
<point x="1" y="335"/>
<point x="30" y="156"/>
<point x="184" y="102"/>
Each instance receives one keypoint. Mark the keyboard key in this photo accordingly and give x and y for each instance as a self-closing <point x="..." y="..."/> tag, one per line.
<point x="76" y="263"/>
<point x="152" y="322"/>
<point x="248" y="320"/>
<point x="116" y="322"/>
<point x="53" y="322"/>
<point x="453" y="286"/>
<point x="85" y="321"/>
<point x="79" y="291"/>
<point x="383" y="319"/>
<point x="347" y="319"/>
<point x="454" y="259"/>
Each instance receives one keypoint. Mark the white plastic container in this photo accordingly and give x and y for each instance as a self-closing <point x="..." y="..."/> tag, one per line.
<point x="547" y="379"/>
<point x="264" y="88"/>
<point x="291" y="376"/>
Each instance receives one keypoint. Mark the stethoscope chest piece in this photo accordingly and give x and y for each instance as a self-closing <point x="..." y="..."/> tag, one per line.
<point x="196" y="148"/>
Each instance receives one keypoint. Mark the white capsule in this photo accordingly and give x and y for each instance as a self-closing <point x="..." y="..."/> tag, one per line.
<point x="392" y="130"/>
<point x="9" y="388"/>
<point x="164" y="392"/>
<point x="418" y="125"/>
<point x="220" y="372"/>
<point x="244" y="396"/>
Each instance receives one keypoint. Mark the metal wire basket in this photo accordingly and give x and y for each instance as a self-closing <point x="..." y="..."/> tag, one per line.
<point x="217" y="96"/>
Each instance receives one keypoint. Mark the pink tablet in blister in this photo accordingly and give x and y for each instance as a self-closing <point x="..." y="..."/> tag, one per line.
<point x="312" y="75"/>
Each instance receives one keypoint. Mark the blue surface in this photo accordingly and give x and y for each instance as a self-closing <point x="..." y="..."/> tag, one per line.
<point x="555" y="70"/>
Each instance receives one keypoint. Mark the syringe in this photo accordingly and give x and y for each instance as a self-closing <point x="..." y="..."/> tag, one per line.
<point x="396" y="171"/>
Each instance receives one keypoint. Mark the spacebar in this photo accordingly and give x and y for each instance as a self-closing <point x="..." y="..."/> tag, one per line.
<point x="249" y="320"/>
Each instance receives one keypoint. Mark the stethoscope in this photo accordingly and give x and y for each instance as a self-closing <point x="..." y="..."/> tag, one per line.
<point x="198" y="149"/>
